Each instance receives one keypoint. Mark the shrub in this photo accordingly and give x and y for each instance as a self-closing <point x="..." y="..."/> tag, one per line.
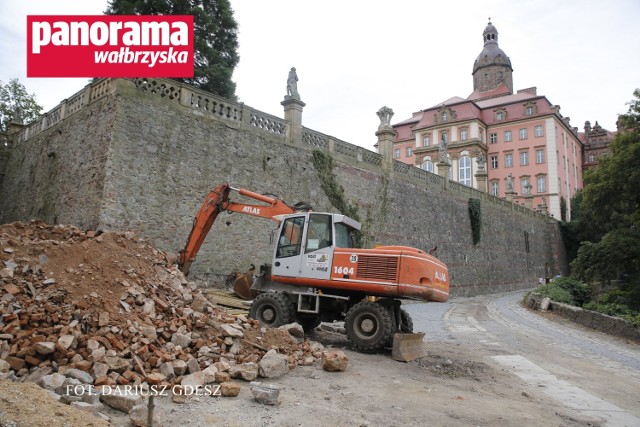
<point x="556" y="293"/>
<point x="580" y="292"/>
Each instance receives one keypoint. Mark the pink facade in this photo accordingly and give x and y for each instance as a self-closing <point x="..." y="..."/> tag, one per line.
<point x="522" y="136"/>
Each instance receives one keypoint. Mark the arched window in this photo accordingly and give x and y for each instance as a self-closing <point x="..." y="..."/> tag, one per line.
<point x="427" y="165"/>
<point x="465" y="171"/>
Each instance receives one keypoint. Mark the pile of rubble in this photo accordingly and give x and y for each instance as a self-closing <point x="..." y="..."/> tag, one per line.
<point x="107" y="309"/>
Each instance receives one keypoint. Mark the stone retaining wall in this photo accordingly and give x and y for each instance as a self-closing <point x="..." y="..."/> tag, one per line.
<point x="143" y="155"/>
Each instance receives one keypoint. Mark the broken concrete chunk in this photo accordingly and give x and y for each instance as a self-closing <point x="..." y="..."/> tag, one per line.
<point x="117" y="398"/>
<point x="273" y="365"/>
<point x="45" y="347"/>
<point x="67" y="341"/>
<point x="334" y="361"/>
<point x="229" y="331"/>
<point x="51" y="382"/>
<point x="266" y="394"/>
<point x="139" y="416"/>
<point x="246" y="371"/>
<point x="82" y="376"/>
<point x="229" y="389"/>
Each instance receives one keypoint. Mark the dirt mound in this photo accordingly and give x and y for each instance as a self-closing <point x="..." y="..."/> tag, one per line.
<point x="110" y="304"/>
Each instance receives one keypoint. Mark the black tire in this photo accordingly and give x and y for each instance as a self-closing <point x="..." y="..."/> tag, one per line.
<point x="406" y="323"/>
<point x="370" y="326"/>
<point x="272" y="309"/>
<point x="308" y="322"/>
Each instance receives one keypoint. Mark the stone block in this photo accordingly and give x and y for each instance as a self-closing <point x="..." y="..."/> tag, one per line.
<point x="273" y="364"/>
<point x="266" y="394"/>
<point x="334" y="361"/>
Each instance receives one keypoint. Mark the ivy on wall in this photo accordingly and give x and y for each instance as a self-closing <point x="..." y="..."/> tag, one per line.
<point x="475" y="216"/>
<point x="335" y="192"/>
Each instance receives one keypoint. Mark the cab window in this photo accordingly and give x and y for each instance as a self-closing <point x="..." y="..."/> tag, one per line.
<point x="319" y="232"/>
<point x="290" y="239"/>
<point x="344" y="237"/>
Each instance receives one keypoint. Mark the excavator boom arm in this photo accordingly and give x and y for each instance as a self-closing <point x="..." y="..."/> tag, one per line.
<point x="217" y="201"/>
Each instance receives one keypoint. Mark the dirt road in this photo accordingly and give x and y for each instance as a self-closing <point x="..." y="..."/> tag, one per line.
<point x="491" y="362"/>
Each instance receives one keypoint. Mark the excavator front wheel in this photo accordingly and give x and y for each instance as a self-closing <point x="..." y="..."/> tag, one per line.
<point x="370" y="326"/>
<point x="272" y="309"/>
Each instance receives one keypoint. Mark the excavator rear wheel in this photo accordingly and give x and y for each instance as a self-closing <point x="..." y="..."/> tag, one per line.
<point x="272" y="309"/>
<point x="370" y="326"/>
<point x="406" y="323"/>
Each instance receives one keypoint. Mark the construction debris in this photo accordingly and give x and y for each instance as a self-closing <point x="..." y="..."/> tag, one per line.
<point x="107" y="309"/>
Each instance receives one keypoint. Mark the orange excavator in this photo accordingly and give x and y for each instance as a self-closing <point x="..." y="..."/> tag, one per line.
<point x="317" y="274"/>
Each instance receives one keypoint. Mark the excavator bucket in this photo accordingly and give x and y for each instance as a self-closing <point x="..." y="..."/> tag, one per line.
<point x="408" y="347"/>
<point x="242" y="286"/>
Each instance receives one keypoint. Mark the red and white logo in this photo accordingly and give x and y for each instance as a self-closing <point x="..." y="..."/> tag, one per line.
<point x="110" y="46"/>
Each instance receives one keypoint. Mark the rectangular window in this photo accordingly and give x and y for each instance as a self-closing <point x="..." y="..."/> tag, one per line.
<point x="508" y="160"/>
<point x="524" y="183"/>
<point x="500" y="115"/>
<point x="464" y="134"/>
<point x="493" y="138"/>
<point x="426" y="140"/>
<point x="539" y="131"/>
<point x="523" y="133"/>
<point x="494" y="162"/>
<point x="409" y="152"/>
<point x="542" y="184"/>
<point x="540" y="156"/>
<point x="508" y="136"/>
<point x="445" y="136"/>
<point x="524" y="158"/>
<point x="529" y="111"/>
<point x="494" y="188"/>
<point x="396" y="153"/>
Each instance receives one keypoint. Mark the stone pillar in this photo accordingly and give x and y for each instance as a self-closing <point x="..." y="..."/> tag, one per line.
<point x="481" y="178"/>
<point x="293" y="114"/>
<point x="386" y="135"/>
<point x="481" y="175"/>
<point x="528" y="201"/>
<point x="443" y="171"/>
<point x="510" y="196"/>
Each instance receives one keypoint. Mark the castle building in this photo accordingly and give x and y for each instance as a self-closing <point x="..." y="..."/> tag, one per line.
<point x="596" y="142"/>
<point x="531" y="152"/>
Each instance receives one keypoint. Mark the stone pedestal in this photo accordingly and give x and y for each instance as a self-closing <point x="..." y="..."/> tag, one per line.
<point x="293" y="114"/>
<point x="386" y="135"/>
<point x="510" y="196"/>
<point x="528" y="201"/>
<point x="443" y="171"/>
<point x="481" y="179"/>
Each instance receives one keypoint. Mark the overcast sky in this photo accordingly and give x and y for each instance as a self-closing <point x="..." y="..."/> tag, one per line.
<point x="353" y="57"/>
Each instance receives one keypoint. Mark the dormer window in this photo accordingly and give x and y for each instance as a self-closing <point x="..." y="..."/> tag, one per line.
<point x="501" y="114"/>
<point x="444" y="116"/>
<point x="530" y="109"/>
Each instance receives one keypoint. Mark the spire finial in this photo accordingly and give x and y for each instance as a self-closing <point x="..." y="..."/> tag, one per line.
<point x="489" y="20"/>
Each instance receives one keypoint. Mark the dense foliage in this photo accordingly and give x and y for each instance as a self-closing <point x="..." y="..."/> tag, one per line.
<point x="567" y="290"/>
<point x="14" y="95"/>
<point x="215" y="37"/>
<point x="608" y="220"/>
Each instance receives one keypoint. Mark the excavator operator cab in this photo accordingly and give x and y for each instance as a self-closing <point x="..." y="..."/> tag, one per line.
<point x="306" y="242"/>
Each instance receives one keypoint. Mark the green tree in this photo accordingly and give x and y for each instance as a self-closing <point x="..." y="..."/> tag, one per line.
<point x="215" y="38"/>
<point x="609" y="218"/>
<point x="14" y="95"/>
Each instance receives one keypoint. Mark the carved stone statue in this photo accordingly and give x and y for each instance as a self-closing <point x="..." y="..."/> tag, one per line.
<point x="385" y="114"/>
<point x="292" y="84"/>
<point x="482" y="163"/>
<point x="444" y="156"/>
<point x="17" y="116"/>
<point x="510" y="184"/>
